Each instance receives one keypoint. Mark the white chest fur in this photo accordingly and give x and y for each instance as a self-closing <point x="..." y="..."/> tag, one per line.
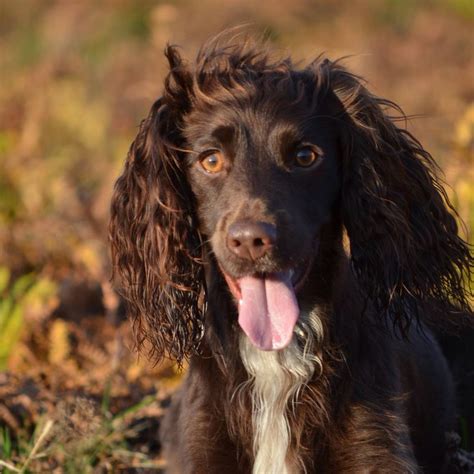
<point x="277" y="378"/>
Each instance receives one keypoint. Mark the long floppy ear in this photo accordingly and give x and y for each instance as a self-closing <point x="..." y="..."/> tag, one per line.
<point x="154" y="241"/>
<point x="405" y="247"/>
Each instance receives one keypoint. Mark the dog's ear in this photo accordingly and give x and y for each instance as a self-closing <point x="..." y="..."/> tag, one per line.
<point x="404" y="241"/>
<point x="154" y="242"/>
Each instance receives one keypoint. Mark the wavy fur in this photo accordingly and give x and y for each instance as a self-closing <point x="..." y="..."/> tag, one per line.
<point x="406" y="263"/>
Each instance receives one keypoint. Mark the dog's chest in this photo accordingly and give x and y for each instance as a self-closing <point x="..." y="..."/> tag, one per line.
<point x="277" y="379"/>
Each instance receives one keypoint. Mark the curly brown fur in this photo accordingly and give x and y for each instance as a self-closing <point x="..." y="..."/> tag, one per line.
<point x="354" y="395"/>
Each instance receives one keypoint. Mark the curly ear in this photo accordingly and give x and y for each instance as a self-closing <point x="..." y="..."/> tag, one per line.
<point x="154" y="242"/>
<point x="405" y="247"/>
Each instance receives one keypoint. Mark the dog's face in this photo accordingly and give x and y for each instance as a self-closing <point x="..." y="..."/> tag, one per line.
<point x="263" y="154"/>
<point x="265" y="172"/>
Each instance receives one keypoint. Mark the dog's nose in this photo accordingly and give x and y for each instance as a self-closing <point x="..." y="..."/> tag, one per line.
<point x="251" y="240"/>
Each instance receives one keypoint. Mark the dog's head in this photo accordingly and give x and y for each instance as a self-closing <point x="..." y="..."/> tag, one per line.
<point x="242" y="163"/>
<point x="263" y="163"/>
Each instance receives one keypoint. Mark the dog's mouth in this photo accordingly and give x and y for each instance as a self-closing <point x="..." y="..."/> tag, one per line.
<point x="267" y="305"/>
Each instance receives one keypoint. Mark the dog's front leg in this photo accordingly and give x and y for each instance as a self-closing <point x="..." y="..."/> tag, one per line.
<point x="194" y="434"/>
<point x="374" y="440"/>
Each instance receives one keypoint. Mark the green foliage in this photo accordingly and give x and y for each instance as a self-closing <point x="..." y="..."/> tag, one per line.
<point x="400" y="14"/>
<point x="106" y="438"/>
<point x="10" y="202"/>
<point x="5" y="442"/>
<point x="79" y="436"/>
<point x="16" y="298"/>
<point x="29" y="48"/>
<point x="129" y="23"/>
<point x="396" y="14"/>
<point x="465" y="8"/>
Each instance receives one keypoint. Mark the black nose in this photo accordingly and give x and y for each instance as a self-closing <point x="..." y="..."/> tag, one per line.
<point x="251" y="240"/>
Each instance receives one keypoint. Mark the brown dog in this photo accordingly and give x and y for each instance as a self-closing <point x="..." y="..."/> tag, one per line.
<point x="227" y="235"/>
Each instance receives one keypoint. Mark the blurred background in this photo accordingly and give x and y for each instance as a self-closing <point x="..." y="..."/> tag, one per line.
<point x="76" y="79"/>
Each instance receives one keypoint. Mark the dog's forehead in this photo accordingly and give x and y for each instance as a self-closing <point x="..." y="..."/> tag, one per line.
<point x="256" y="104"/>
<point x="264" y="118"/>
<point x="260" y="126"/>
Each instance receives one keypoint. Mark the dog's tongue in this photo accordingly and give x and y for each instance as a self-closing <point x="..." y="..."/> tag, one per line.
<point x="268" y="310"/>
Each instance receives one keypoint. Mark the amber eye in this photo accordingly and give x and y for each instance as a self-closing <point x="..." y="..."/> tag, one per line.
<point x="305" y="157"/>
<point x="213" y="162"/>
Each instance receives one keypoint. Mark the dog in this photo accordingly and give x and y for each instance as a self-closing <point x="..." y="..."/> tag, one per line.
<point x="277" y="231"/>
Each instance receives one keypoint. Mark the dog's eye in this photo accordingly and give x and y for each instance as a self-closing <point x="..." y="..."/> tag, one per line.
<point x="213" y="162"/>
<point x="305" y="157"/>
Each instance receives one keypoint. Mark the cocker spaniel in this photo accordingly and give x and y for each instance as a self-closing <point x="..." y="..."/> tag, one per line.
<point x="228" y="231"/>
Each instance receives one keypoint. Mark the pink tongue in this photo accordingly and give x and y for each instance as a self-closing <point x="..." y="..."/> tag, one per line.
<point x="268" y="310"/>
